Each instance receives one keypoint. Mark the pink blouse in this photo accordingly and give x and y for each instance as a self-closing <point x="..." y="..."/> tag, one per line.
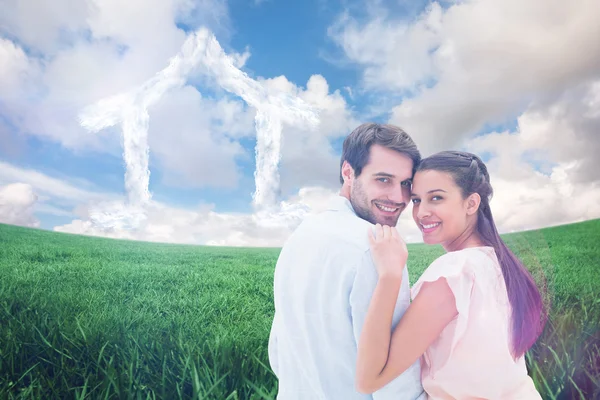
<point x="471" y="358"/>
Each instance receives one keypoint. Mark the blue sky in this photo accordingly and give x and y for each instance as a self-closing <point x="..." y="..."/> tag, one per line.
<point x="443" y="71"/>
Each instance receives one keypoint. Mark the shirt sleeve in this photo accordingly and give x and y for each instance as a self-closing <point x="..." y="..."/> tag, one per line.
<point x="408" y="385"/>
<point x="272" y="348"/>
<point x="460" y="278"/>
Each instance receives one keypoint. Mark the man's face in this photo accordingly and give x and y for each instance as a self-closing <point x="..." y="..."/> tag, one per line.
<point x="382" y="191"/>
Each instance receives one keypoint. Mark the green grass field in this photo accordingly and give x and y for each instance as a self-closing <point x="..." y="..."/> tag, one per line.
<point x="84" y="317"/>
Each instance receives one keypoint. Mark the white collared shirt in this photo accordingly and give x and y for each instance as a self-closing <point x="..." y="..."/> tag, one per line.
<point x="324" y="280"/>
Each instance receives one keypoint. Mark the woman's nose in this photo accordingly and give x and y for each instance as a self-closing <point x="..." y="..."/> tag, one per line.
<point x="423" y="212"/>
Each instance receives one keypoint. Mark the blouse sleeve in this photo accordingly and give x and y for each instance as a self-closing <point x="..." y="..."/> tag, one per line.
<point x="461" y="280"/>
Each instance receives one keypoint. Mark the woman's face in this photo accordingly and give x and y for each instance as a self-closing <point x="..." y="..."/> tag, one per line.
<point x="439" y="209"/>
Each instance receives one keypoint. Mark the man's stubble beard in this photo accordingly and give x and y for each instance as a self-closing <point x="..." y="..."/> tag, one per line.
<point x="360" y="204"/>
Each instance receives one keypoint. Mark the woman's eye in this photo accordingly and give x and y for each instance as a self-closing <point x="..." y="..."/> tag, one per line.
<point x="416" y="201"/>
<point x="435" y="198"/>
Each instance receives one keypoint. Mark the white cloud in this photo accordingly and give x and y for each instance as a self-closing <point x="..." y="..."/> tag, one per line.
<point x="561" y="139"/>
<point x="205" y="226"/>
<point x="48" y="185"/>
<point x="43" y="25"/>
<point x="536" y="200"/>
<point x="48" y="27"/>
<point x="38" y="192"/>
<point x="307" y="157"/>
<point x="475" y="63"/>
<point x="80" y="52"/>
<point x="394" y="54"/>
<point x="17" y="202"/>
<point x="195" y="139"/>
<point x="26" y="192"/>
<point x="15" y="68"/>
<point x="53" y="195"/>
<point x="210" y="13"/>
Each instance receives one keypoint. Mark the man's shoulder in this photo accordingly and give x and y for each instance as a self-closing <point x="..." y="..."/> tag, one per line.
<point x="334" y="226"/>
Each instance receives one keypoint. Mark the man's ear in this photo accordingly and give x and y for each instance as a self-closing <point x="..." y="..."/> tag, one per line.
<point x="473" y="202"/>
<point x="347" y="172"/>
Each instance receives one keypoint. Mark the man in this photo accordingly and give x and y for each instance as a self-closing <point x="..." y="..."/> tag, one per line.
<point x="325" y="276"/>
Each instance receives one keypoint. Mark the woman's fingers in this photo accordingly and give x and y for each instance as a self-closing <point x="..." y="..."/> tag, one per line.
<point x="380" y="232"/>
<point x="386" y="232"/>
<point x="372" y="236"/>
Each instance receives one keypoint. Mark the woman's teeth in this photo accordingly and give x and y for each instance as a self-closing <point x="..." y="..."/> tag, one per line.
<point x="430" y="225"/>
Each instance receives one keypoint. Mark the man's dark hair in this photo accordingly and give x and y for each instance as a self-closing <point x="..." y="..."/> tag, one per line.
<point x="357" y="145"/>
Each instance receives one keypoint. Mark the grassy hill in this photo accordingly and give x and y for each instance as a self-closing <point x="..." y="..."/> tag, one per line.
<point x="101" y="318"/>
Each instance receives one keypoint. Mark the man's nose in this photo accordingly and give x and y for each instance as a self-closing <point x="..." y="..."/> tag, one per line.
<point x="400" y="194"/>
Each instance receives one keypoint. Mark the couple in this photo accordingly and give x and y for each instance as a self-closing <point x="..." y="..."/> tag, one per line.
<point x="348" y="326"/>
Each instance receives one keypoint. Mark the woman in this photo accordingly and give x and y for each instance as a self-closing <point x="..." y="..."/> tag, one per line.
<point x="476" y="310"/>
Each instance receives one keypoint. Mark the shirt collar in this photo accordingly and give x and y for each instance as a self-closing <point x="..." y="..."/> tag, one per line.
<point x="340" y="203"/>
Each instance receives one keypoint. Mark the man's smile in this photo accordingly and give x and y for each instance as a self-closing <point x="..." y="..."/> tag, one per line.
<point x="388" y="208"/>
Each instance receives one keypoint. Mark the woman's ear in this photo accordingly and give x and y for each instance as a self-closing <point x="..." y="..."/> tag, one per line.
<point x="473" y="203"/>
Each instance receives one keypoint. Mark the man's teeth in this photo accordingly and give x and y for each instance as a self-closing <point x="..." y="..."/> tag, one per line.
<point x="430" y="225"/>
<point x="384" y="208"/>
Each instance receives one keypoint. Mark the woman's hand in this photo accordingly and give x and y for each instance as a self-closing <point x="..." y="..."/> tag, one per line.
<point x="388" y="250"/>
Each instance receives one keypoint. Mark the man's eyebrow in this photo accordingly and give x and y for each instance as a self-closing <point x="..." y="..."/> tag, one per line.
<point x="383" y="174"/>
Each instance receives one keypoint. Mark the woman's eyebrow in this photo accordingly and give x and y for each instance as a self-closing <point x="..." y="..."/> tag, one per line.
<point x="431" y="191"/>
